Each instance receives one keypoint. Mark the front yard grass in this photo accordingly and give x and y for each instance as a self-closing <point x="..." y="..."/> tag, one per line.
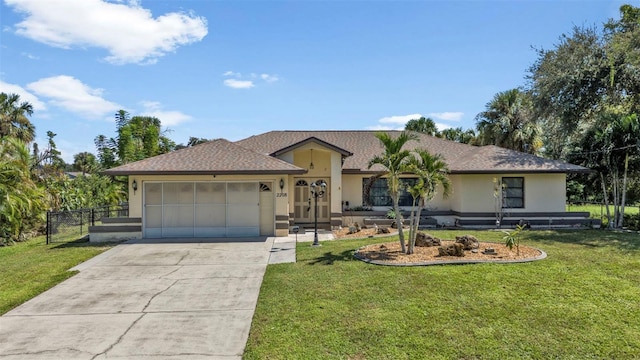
<point x="582" y="302"/>
<point x="31" y="267"/>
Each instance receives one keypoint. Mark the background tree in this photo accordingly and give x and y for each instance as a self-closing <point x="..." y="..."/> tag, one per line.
<point x="393" y="161"/>
<point x="611" y="146"/>
<point x="22" y="202"/>
<point x="431" y="172"/>
<point x="137" y="138"/>
<point x="13" y="118"/>
<point x="508" y="122"/>
<point x="422" y="125"/>
<point x="85" y="162"/>
<point x="193" y="141"/>
<point x="459" y="135"/>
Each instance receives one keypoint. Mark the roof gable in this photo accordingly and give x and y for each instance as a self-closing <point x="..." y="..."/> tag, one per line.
<point x="315" y="140"/>
<point x="214" y="157"/>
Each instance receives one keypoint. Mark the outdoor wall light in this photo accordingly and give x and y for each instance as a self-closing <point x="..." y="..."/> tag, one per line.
<point x="134" y="185"/>
<point x="281" y="184"/>
<point x="311" y="165"/>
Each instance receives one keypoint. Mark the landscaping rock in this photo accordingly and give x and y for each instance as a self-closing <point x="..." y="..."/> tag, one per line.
<point x="426" y="240"/>
<point x="353" y="230"/>
<point x="383" y="230"/>
<point x="455" y="249"/>
<point x="469" y="242"/>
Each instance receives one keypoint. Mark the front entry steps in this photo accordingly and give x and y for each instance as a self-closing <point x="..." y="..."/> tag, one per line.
<point x="116" y="229"/>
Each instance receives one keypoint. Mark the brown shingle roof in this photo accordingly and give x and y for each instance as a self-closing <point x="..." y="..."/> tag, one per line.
<point x="214" y="157"/>
<point x="461" y="158"/>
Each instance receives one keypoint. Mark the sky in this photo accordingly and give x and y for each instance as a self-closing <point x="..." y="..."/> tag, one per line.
<point x="233" y="69"/>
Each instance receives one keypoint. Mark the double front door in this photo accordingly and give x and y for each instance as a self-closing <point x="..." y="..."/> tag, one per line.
<point x="304" y="202"/>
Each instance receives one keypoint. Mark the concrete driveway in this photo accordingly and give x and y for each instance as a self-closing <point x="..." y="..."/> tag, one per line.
<point x="147" y="300"/>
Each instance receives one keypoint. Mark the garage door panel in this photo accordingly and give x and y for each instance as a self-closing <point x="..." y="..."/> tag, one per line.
<point x="154" y="216"/>
<point x="168" y="232"/>
<point x="153" y="194"/>
<point x="242" y="193"/>
<point x="211" y="215"/>
<point x="178" y="193"/>
<point x="211" y="193"/>
<point x="243" y="215"/>
<point x="177" y="216"/>
<point x="210" y="232"/>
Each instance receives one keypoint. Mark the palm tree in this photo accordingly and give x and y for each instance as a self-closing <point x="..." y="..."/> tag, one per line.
<point x="432" y="172"/>
<point x="13" y="118"/>
<point x="393" y="161"/>
<point x="422" y="125"/>
<point x="85" y="162"/>
<point x="508" y="122"/>
<point x="22" y="203"/>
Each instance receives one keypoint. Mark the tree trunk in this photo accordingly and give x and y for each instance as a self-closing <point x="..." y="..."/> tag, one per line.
<point x="396" y="209"/>
<point x="606" y="199"/>
<point x="624" y="190"/>
<point x="412" y="221"/>
<point x="417" y="224"/>
<point x="616" y="210"/>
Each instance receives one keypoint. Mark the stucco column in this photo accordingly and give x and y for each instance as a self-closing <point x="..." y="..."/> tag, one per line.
<point x="336" y="190"/>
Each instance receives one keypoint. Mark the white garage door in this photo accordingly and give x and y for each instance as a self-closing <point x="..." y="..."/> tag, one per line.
<point x="201" y="209"/>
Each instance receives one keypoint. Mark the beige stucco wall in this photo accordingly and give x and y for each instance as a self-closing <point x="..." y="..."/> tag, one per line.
<point x="542" y="192"/>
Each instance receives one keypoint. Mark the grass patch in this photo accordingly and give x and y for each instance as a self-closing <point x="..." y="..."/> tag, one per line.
<point x="579" y="303"/>
<point x="597" y="211"/>
<point x="31" y="267"/>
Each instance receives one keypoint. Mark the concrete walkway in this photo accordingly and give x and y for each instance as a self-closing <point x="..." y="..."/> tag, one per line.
<point x="284" y="248"/>
<point x="162" y="299"/>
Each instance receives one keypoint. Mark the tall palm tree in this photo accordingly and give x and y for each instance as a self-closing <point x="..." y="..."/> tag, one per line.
<point x="422" y="125"/>
<point x="432" y="172"/>
<point x="393" y="161"/>
<point x="13" y="118"/>
<point x="508" y="122"/>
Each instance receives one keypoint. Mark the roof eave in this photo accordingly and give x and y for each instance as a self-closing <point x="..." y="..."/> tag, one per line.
<point x="203" y="172"/>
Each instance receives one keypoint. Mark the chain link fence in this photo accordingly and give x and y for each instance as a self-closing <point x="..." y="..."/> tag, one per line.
<point x="71" y="225"/>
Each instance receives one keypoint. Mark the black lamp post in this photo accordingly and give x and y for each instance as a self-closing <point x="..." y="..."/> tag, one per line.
<point x="317" y="190"/>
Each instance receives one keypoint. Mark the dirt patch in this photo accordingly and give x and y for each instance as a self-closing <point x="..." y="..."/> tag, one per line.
<point x="390" y="253"/>
<point x="363" y="233"/>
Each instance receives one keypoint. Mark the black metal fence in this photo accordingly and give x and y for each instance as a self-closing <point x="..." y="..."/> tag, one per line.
<point x="71" y="225"/>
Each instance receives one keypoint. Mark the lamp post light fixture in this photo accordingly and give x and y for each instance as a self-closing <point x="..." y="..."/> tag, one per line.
<point x="317" y="191"/>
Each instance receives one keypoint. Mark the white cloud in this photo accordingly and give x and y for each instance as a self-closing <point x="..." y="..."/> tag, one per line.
<point x="384" y="127"/>
<point x="447" y="116"/>
<point x="269" y="78"/>
<point x="399" y="119"/>
<point x="30" y="56"/>
<point x="402" y="120"/>
<point x="231" y="73"/>
<point x="167" y="118"/>
<point x="128" y="32"/>
<point x="71" y="94"/>
<point x="24" y="95"/>
<point x="239" y="84"/>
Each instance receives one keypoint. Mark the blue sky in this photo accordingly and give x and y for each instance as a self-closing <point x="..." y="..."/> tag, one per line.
<point x="232" y="69"/>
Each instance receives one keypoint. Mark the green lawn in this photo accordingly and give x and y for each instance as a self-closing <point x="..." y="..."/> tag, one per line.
<point x="597" y="210"/>
<point x="582" y="302"/>
<point x="31" y="267"/>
